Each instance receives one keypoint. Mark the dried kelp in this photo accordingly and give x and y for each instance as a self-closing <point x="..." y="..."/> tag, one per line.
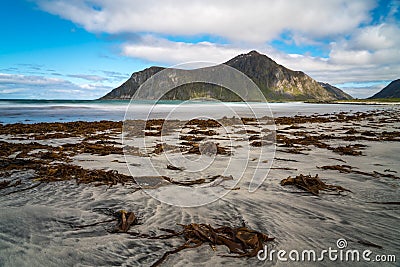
<point x="209" y="148"/>
<point x="291" y="160"/>
<point x="352" y="150"/>
<point x="242" y="241"/>
<point x="161" y="148"/>
<point x="204" y="123"/>
<point x="311" y="184"/>
<point x="350" y="169"/>
<point x="4" y="184"/>
<point x="326" y="118"/>
<point x="8" y="148"/>
<point x="197" y="181"/>
<point x="47" y="130"/>
<point x="174" y="168"/>
<point x="97" y="148"/>
<point x="259" y="143"/>
<point x="8" y="164"/>
<point x="125" y="220"/>
<point x="203" y="132"/>
<point x="191" y="138"/>
<point x="64" y="172"/>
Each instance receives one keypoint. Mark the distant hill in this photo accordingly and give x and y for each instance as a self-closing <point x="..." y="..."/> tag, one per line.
<point x="275" y="81"/>
<point x="392" y="90"/>
<point x="338" y="93"/>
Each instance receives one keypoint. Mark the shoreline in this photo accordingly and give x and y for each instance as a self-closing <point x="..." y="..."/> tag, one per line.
<point x="59" y="175"/>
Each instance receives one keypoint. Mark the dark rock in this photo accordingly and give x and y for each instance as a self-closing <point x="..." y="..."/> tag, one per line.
<point x="390" y="91"/>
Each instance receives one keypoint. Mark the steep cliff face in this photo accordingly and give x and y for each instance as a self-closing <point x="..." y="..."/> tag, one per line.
<point x="392" y="90"/>
<point x="274" y="80"/>
<point x="339" y="94"/>
<point x="128" y="88"/>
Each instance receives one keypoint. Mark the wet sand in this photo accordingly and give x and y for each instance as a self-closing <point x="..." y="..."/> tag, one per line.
<point x="55" y="176"/>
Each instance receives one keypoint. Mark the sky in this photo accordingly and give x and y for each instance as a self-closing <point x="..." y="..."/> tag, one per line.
<point x="82" y="49"/>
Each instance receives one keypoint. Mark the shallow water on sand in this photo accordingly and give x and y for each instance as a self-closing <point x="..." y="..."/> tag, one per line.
<point x="31" y="111"/>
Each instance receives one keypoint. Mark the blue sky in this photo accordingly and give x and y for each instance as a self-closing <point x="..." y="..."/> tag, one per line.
<point x="81" y="49"/>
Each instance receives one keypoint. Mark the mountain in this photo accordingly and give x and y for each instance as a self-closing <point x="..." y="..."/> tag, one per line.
<point x="338" y="93"/>
<point x="275" y="81"/>
<point x="392" y="90"/>
<point x="128" y="88"/>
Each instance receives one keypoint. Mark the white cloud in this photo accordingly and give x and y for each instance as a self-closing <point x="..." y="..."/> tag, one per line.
<point x="254" y="21"/>
<point x="11" y="91"/>
<point x="47" y="87"/>
<point x="372" y="45"/>
<point x="162" y="50"/>
<point x="29" y="80"/>
<point x="362" y="90"/>
<point x="376" y="37"/>
<point x="94" y="78"/>
<point x="96" y="87"/>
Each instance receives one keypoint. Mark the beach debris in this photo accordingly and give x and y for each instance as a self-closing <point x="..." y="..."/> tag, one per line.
<point x="293" y="151"/>
<point x="204" y="123"/>
<point x="282" y="159"/>
<point x="46" y="130"/>
<point x="350" y="169"/>
<point x="249" y="120"/>
<point x="206" y="180"/>
<point x="174" y="168"/>
<point x="351" y="150"/>
<point x="8" y="164"/>
<point x="152" y="133"/>
<point x="125" y="220"/>
<point x="192" y="138"/>
<point x="154" y="124"/>
<point x="208" y="148"/>
<point x="283" y="168"/>
<point x="63" y="172"/>
<point x="203" y="132"/>
<point x="311" y="184"/>
<point x="247" y="131"/>
<point x="7" y="148"/>
<point x="4" y="184"/>
<point x="7" y="183"/>
<point x="341" y="160"/>
<point x="163" y="147"/>
<point x="259" y="143"/>
<point x="99" y="149"/>
<point x="242" y="241"/>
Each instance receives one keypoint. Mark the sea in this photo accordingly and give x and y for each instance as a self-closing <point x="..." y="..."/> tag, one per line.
<point x="34" y="111"/>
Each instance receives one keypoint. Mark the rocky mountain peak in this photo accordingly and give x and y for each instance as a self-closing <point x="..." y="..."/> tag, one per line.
<point x="275" y="81"/>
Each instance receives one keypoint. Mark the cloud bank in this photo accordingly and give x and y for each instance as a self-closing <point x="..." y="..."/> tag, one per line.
<point x="41" y="87"/>
<point x="254" y="21"/>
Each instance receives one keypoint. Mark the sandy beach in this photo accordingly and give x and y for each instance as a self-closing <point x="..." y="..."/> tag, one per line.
<point x="55" y="177"/>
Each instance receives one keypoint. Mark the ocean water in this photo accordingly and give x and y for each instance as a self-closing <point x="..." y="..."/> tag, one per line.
<point x="32" y="111"/>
